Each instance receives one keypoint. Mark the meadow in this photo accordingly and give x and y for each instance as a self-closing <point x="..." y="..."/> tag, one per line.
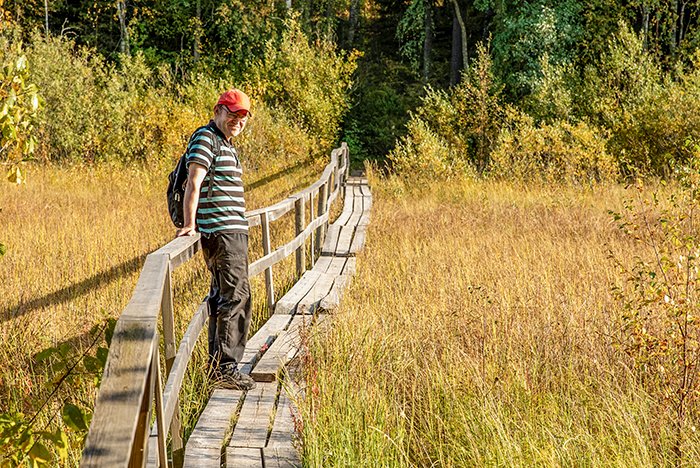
<point x="483" y="328"/>
<point x="76" y="239"/>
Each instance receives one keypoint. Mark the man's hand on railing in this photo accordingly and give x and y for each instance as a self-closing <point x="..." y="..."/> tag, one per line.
<point x="186" y="231"/>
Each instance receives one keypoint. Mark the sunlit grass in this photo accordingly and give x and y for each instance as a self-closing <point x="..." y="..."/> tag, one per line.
<point x="479" y="331"/>
<point x="76" y="239"/>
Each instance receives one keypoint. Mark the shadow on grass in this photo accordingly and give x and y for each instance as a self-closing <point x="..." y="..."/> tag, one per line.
<point x="74" y="291"/>
<point x="272" y="177"/>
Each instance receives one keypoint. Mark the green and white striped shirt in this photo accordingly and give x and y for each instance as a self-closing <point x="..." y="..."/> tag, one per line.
<point x="224" y="210"/>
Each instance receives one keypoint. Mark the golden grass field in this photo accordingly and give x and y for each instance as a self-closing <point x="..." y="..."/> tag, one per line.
<point x="76" y="239"/>
<point x="480" y="330"/>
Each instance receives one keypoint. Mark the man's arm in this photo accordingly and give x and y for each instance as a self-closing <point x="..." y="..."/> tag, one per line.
<point x="195" y="176"/>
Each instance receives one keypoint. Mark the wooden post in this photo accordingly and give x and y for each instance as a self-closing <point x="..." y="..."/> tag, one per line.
<point x="160" y="424"/>
<point x="322" y="205"/>
<point x="311" y="219"/>
<point x="299" y="225"/>
<point x="139" y="450"/>
<point x="269" y="286"/>
<point x="170" y="352"/>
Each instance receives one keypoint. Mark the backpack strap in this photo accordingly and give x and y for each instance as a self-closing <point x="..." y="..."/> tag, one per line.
<point x="212" y="166"/>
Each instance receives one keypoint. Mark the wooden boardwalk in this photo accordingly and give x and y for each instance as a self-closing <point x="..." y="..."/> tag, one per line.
<point x="262" y="422"/>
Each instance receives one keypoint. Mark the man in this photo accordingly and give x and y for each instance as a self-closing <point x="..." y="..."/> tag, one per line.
<point x="215" y="207"/>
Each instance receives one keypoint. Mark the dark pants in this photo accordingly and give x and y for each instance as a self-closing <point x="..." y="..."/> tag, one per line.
<point x="226" y="255"/>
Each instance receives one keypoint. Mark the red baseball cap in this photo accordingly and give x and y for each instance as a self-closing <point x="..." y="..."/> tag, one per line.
<point x="235" y="100"/>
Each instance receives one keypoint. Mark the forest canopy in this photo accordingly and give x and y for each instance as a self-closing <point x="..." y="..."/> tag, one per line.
<point x="488" y="87"/>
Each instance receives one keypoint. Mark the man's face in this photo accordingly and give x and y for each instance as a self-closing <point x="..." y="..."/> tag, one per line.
<point x="231" y="123"/>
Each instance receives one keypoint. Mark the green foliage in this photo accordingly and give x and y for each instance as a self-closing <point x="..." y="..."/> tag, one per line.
<point x="651" y="115"/>
<point x="424" y="155"/>
<point x="20" y="441"/>
<point x="307" y="82"/>
<point x="19" y="103"/>
<point x="658" y="322"/>
<point x="558" y="152"/>
<point x="525" y="33"/>
<point x="460" y="126"/>
<point x="411" y="33"/>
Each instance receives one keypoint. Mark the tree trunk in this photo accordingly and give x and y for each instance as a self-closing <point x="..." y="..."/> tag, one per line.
<point x="428" y="44"/>
<point x="463" y="35"/>
<point x="456" y="59"/>
<point x="353" y="20"/>
<point x="645" y="10"/>
<point x="124" y="33"/>
<point x="674" y="26"/>
<point x="681" y="30"/>
<point x="197" y="31"/>
<point x="46" y="12"/>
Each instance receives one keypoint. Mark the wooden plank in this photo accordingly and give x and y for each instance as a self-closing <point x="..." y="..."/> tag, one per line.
<point x="344" y="241"/>
<point x="348" y="204"/>
<point x="123" y="388"/>
<point x="288" y="303"/>
<point x="313" y="298"/>
<point x="263" y="338"/>
<point x="282" y="350"/>
<point x="350" y="266"/>
<point x="240" y="457"/>
<point x="331" y="242"/>
<point x="322" y="264"/>
<point x="283" y="429"/>
<point x="281" y="457"/>
<point x="180" y="249"/>
<point x="254" y="419"/>
<point x="332" y="299"/>
<point x="358" y="240"/>
<point x="337" y="264"/>
<point x="204" y="445"/>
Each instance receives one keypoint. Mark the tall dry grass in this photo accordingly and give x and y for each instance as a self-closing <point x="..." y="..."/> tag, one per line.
<point x="480" y="330"/>
<point x="76" y="239"/>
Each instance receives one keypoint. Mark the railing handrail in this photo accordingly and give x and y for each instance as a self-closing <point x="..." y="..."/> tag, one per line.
<point x="120" y="428"/>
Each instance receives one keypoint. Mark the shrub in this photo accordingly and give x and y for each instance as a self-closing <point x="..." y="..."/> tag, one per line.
<point x="557" y="152"/>
<point x="424" y="155"/>
<point x="308" y="82"/>
<point x="460" y="128"/>
<point x="659" y="331"/>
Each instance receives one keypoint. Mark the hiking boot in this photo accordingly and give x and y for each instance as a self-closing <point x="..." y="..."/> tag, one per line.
<point x="230" y="377"/>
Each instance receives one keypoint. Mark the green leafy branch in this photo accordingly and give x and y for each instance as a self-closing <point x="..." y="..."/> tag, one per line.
<point x="19" y="442"/>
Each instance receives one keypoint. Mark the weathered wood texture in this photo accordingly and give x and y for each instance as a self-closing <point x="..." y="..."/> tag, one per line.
<point x="255" y="417"/>
<point x="241" y="457"/>
<point x="205" y="444"/>
<point x="281" y="457"/>
<point x="119" y="405"/>
<point x="282" y="350"/>
<point x="262" y="340"/>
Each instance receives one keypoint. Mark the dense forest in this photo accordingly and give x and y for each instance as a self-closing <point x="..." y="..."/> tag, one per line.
<point x="556" y="318"/>
<point x="596" y="89"/>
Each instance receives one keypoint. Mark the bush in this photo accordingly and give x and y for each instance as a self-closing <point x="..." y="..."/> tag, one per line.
<point x="307" y="82"/>
<point x="557" y="152"/>
<point x="459" y="128"/>
<point x="130" y="112"/>
<point x="424" y="155"/>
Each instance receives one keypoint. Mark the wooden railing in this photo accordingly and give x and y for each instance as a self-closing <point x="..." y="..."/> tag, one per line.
<point x="132" y="384"/>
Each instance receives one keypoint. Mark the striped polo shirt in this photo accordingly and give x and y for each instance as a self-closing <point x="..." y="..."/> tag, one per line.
<point x="224" y="209"/>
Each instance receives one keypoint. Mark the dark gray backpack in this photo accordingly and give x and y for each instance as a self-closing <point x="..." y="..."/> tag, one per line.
<point x="177" y="180"/>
